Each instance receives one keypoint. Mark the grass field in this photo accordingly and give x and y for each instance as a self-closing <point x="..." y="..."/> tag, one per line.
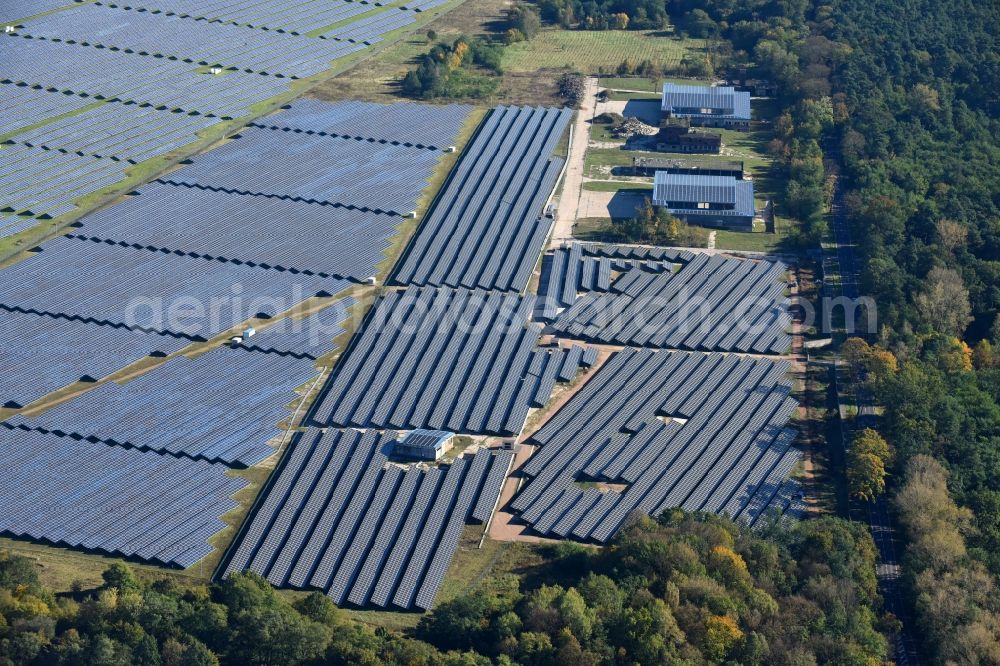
<point x="630" y="83"/>
<point x="625" y="96"/>
<point x="61" y="569"/>
<point x="601" y="163"/>
<point x="615" y="185"/>
<point x="592" y="52"/>
<point x="646" y="84"/>
<point x="602" y="132"/>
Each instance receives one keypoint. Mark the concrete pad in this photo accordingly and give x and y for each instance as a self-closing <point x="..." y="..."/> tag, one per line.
<point x="610" y="204"/>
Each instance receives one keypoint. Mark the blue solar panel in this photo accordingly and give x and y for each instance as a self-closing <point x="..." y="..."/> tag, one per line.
<point x="702" y="432"/>
<point x="116" y="500"/>
<point x="338" y="517"/>
<point x="484" y="230"/>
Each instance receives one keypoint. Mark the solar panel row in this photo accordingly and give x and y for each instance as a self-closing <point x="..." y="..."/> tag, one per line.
<point x="340" y="518"/>
<point x="310" y="336"/>
<point x="712" y="303"/>
<point x="566" y="271"/>
<point x="313" y="169"/>
<point x="460" y="360"/>
<point x="295" y="17"/>
<point x="41" y="351"/>
<point x="418" y="125"/>
<point x="116" y="75"/>
<point x="637" y="252"/>
<point x="11" y="10"/>
<point x="149" y="35"/>
<point x="21" y="107"/>
<point x="705" y="432"/>
<point x="484" y="230"/>
<point x="44" y="169"/>
<point x="112" y="499"/>
<point x="325" y="20"/>
<point x="124" y="132"/>
<point x="10" y="224"/>
<point x="369" y="29"/>
<point x="43" y="183"/>
<point x="266" y="232"/>
<point x="422" y="5"/>
<point x="148" y="289"/>
<point x="222" y="406"/>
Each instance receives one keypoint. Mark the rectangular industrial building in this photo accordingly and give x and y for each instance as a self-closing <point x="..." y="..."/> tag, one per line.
<point x="707" y="106"/>
<point x="707" y="200"/>
<point x="424" y="444"/>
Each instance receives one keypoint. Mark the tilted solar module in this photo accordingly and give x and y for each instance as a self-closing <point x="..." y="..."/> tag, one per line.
<point x="485" y="229"/>
<point x="700" y="431"/>
<point x="712" y="303"/>
<point x="112" y="499"/>
<point x="152" y="289"/>
<point x="200" y="42"/>
<point x="442" y="359"/>
<point x="221" y="406"/>
<point x="354" y="174"/>
<point x="339" y="517"/>
<point x="401" y="123"/>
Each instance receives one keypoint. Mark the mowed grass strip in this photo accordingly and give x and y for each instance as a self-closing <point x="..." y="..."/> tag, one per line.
<point x="590" y="51"/>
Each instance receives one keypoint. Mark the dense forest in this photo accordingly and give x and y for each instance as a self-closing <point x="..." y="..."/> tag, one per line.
<point x="688" y="589"/>
<point x="917" y="129"/>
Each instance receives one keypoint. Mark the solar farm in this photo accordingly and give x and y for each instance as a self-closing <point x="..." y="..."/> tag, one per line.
<point x="100" y="87"/>
<point x="216" y="364"/>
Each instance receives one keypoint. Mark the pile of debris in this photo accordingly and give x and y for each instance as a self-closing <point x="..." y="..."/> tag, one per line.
<point x="634" y="127"/>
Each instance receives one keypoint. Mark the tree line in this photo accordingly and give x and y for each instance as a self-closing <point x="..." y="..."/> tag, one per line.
<point x="916" y="130"/>
<point x="686" y="589"/>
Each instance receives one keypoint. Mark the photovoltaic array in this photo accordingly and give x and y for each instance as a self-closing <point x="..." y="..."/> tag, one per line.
<point x="340" y="518"/>
<point x="116" y="500"/>
<point x="149" y="35"/>
<point x="278" y="15"/>
<point x="705" y="432"/>
<point x="246" y="254"/>
<point x="567" y="271"/>
<point x="176" y="408"/>
<point x="342" y="242"/>
<point x="265" y="163"/>
<point x="400" y="124"/>
<point x="299" y="201"/>
<point x="87" y="304"/>
<point x="461" y="360"/>
<point x="42" y="351"/>
<point x="20" y="105"/>
<point x="147" y="71"/>
<point x="485" y="230"/>
<point x="138" y="287"/>
<point x="711" y="303"/>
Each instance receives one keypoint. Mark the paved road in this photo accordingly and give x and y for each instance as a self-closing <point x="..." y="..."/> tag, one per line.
<point x="841" y="259"/>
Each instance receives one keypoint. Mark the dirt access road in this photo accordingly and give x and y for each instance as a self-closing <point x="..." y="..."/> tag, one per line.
<point x="569" y="200"/>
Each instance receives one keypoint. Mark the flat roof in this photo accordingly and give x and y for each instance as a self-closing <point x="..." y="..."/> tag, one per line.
<point x="724" y="190"/>
<point x="737" y="104"/>
<point x="427" y="439"/>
